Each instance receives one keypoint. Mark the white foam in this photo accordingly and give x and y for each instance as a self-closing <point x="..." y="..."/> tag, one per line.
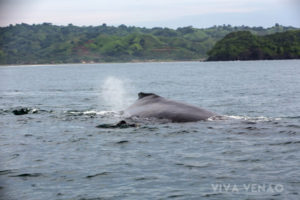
<point x="105" y="113"/>
<point x="257" y="119"/>
<point x="95" y="112"/>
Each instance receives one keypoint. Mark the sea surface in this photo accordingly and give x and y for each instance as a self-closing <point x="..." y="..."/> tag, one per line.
<point x="57" y="152"/>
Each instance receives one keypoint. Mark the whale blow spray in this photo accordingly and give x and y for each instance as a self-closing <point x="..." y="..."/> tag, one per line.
<point x="116" y="93"/>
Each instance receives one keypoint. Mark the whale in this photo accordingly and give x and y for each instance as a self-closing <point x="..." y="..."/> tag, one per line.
<point x="150" y="105"/>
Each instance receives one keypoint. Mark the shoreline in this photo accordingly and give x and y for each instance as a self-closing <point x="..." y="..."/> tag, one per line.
<point x="85" y="63"/>
<point x="141" y="61"/>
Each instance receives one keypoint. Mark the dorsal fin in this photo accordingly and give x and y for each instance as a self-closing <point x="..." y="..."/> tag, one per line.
<point x="142" y="95"/>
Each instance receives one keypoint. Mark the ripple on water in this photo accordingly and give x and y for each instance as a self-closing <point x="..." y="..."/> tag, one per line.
<point x="98" y="174"/>
<point x="122" y="142"/>
<point x="6" y="172"/>
<point x="25" y="175"/>
<point x="285" y="143"/>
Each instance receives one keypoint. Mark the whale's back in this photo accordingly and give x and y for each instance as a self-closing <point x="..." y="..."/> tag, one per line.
<point x="153" y="106"/>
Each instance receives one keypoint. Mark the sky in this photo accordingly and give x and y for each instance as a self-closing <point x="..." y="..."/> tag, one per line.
<point x="152" y="13"/>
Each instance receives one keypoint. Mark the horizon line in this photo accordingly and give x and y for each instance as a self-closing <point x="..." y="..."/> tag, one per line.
<point x="105" y="24"/>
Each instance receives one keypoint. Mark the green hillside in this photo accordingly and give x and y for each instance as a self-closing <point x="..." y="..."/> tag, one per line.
<point x="47" y="43"/>
<point x="243" y="45"/>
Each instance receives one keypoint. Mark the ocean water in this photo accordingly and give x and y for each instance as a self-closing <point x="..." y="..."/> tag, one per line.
<point x="56" y="152"/>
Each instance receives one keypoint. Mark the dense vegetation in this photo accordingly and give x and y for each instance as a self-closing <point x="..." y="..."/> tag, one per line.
<point x="47" y="43"/>
<point x="243" y="45"/>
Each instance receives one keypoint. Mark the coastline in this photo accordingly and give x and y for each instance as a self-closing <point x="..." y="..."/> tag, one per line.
<point x="142" y="61"/>
<point x="83" y="63"/>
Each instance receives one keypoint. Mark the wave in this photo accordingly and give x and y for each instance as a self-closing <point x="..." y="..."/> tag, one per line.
<point x="118" y="115"/>
<point x="94" y="112"/>
<point x="31" y="110"/>
<point x="21" y="111"/>
<point x="254" y="119"/>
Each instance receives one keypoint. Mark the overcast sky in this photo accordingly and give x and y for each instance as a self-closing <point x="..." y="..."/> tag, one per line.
<point x="152" y="13"/>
